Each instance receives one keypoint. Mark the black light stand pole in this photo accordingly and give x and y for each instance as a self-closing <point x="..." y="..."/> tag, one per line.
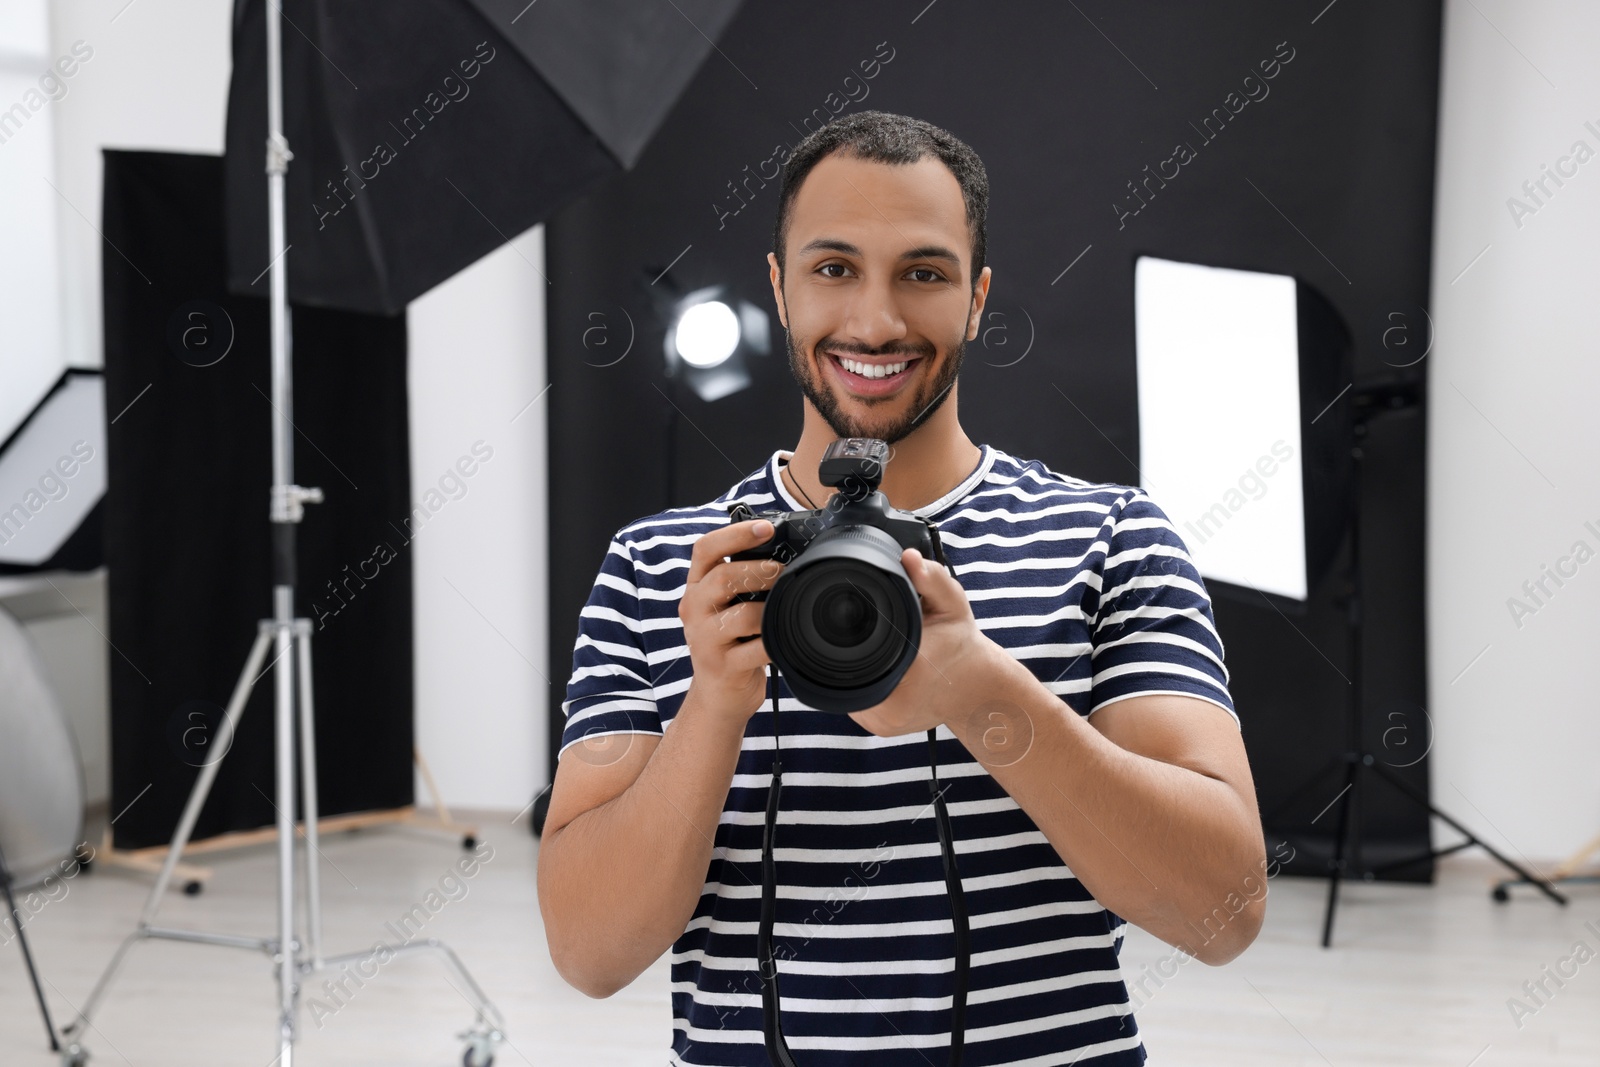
<point x="1367" y="403"/>
<point x="27" y="954"/>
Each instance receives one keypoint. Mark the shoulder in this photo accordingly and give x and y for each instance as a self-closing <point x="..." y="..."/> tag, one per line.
<point x="1028" y="490"/>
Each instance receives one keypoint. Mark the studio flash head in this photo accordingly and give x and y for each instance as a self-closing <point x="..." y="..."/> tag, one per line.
<point x="843" y="621"/>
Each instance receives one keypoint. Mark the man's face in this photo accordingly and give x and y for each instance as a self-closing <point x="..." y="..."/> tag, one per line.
<point x="877" y="282"/>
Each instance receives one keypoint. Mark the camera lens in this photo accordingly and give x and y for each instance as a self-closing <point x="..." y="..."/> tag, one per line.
<point x="843" y="621"/>
<point x="844" y="616"/>
<point x="840" y="625"/>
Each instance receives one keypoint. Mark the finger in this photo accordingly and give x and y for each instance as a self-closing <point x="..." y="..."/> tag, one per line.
<point x="939" y="591"/>
<point x="750" y="656"/>
<point x="714" y="546"/>
<point x="740" y="620"/>
<point x="746" y="576"/>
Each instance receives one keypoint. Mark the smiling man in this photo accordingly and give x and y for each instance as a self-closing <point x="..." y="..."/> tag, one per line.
<point x="1088" y="750"/>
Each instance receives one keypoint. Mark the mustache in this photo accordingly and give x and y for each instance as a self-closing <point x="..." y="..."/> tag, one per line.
<point x="899" y="350"/>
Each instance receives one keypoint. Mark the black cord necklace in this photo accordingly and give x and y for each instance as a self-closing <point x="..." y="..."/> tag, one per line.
<point x="799" y="489"/>
<point x="778" y="1053"/>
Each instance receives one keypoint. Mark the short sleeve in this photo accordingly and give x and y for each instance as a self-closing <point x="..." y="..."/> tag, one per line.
<point x="610" y="691"/>
<point x="1153" y="628"/>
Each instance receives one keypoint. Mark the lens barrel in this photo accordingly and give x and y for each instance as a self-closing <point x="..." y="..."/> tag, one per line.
<point x="843" y="621"/>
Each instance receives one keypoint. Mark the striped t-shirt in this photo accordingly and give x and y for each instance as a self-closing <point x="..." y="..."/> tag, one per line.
<point x="1087" y="584"/>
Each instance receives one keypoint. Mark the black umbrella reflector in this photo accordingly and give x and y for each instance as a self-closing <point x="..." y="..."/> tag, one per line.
<point x="428" y="133"/>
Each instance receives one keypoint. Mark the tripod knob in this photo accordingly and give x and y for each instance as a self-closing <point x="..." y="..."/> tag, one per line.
<point x="288" y="501"/>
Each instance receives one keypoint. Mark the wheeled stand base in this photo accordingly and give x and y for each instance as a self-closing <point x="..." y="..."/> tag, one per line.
<point x="300" y="959"/>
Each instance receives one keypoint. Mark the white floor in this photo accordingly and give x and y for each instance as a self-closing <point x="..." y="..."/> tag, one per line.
<point x="1419" y="975"/>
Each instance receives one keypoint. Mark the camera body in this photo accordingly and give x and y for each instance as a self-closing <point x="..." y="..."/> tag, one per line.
<point x="843" y="621"/>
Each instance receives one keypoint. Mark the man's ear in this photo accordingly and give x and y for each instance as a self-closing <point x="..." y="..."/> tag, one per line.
<point x="776" y="276"/>
<point x="980" y="295"/>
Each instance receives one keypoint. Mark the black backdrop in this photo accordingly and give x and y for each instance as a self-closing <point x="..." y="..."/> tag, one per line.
<point x="187" y="538"/>
<point x="1327" y="176"/>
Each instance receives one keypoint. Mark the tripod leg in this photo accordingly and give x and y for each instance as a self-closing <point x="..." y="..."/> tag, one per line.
<point x="284" y="679"/>
<point x="1527" y="876"/>
<point x="208" y="774"/>
<point x="1336" y="871"/>
<point x="27" y="955"/>
<point x="308" y="791"/>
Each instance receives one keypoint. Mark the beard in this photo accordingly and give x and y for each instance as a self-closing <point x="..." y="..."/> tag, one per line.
<point x="892" y="425"/>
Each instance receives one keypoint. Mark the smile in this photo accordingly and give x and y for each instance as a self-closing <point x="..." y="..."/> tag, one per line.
<point x="867" y="378"/>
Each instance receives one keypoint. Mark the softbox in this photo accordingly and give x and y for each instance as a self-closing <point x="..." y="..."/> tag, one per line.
<point x="428" y="133"/>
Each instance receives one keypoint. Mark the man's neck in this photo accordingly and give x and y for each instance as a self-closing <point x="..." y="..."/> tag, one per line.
<point x="923" y="466"/>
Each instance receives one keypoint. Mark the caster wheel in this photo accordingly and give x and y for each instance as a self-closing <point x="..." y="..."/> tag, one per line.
<point x="469" y="842"/>
<point x="74" y="1055"/>
<point x="480" y="1048"/>
<point x="1500" y="894"/>
<point x="192" y="889"/>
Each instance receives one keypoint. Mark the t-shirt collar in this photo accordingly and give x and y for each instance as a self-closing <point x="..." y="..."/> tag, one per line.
<point x="780" y="490"/>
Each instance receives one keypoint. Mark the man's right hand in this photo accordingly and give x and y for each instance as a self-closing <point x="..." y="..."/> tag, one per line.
<point x="725" y="650"/>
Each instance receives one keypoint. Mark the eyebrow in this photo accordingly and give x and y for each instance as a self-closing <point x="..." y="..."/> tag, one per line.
<point x="833" y="244"/>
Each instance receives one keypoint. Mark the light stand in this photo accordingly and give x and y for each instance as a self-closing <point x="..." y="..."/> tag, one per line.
<point x="290" y="638"/>
<point x="1357" y="759"/>
<point x="27" y="954"/>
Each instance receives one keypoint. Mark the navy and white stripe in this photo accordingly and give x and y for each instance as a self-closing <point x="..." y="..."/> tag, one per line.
<point x="1086" y="583"/>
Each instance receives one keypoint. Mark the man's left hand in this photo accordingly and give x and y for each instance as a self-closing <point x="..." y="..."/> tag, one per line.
<point x="953" y="667"/>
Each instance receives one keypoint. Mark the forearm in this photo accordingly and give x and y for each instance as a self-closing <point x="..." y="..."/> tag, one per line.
<point x="619" y="883"/>
<point x="1167" y="848"/>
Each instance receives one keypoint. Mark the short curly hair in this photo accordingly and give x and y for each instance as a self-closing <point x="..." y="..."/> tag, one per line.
<point x="884" y="137"/>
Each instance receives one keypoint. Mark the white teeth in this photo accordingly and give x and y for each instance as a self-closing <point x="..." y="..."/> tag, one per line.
<point x="872" y="370"/>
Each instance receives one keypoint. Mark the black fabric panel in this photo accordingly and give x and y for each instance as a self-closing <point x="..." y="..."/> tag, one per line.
<point x="1328" y="177"/>
<point x="408" y="167"/>
<point x="186" y="533"/>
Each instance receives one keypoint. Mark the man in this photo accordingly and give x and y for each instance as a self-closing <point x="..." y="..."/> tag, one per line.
<point x="1088" y="749"/>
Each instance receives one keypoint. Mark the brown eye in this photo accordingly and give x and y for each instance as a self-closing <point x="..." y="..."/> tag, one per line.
<point x="829" y="266"/>
<point x="927" y="270"/>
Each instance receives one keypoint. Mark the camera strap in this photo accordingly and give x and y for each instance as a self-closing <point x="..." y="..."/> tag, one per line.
<point x="777" y="1048"/>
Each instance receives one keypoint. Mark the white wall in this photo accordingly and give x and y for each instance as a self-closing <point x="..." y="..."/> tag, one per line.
<point x="158" y="80"/>
<point x="1515" y="384"/>
<point x="31" y="354"/>
<point x="477" y="360"/>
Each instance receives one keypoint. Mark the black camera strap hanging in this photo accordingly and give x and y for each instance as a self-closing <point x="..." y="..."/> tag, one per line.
<point x="777" y="1048"/>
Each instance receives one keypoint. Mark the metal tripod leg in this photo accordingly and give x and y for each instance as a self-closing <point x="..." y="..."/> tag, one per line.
<point x="27" y="954"/>
<point x="1542" y="884"/>
<point x="208" y="773"/>
<point x="1340" y="836"/>
<point x="310" y="812"/>
<point x="291" y="639"/>
<point x="288" y="978"/>
<point x="191" y="813"/>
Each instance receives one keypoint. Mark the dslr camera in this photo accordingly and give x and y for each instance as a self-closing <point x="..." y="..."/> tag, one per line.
<point x="843" y="621"/>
